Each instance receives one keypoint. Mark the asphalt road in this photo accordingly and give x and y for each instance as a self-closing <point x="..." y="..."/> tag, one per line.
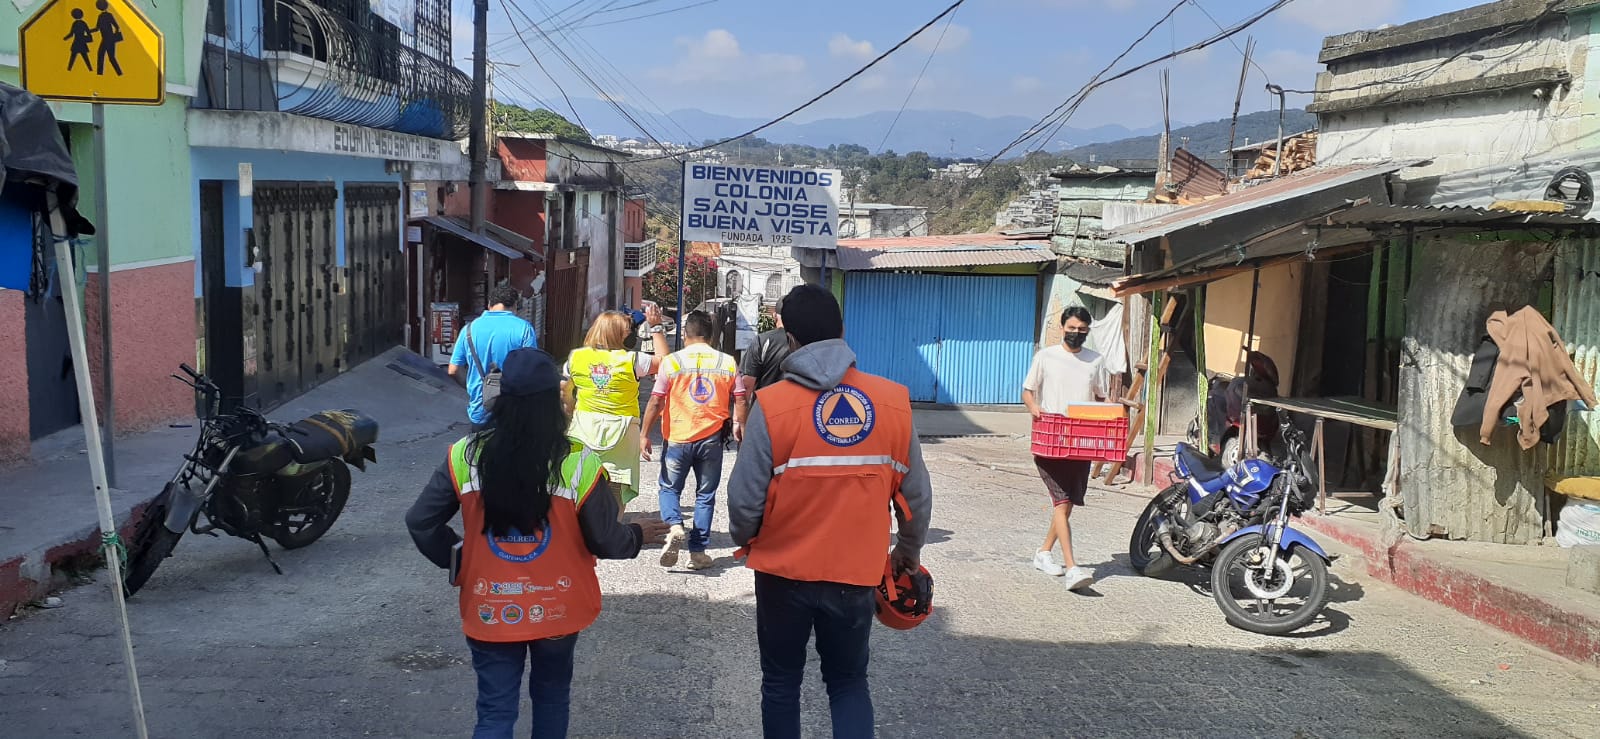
<point x="359" y="638"/>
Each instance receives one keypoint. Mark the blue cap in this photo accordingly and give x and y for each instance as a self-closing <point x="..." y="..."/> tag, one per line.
<point x="529" y="372"/>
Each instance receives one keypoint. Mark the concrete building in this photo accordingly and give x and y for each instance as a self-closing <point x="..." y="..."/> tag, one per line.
<point x="315" y="126"/>
<point x="152" y="256"/>
<point x="881" y="220"/>
<point x="567" y="197"/>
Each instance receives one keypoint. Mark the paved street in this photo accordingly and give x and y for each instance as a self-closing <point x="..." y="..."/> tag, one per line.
<point x="359" y="638"/>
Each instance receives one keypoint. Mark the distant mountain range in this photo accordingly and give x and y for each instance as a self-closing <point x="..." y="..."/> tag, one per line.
<point x="1206" y="140"/>
<point x="937" y="132"/>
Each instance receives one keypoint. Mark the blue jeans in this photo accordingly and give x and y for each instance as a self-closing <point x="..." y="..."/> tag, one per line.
<point x="499" y="667"/>
<point x="705" y="458"/>
<point x="787" y="611"/>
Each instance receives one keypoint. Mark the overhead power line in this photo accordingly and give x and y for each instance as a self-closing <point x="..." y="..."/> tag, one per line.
<point x="583" y="74"/>
<point x="1058" y="117"/>
<point x="915" y="83"/>
<point x="818" y="97"/>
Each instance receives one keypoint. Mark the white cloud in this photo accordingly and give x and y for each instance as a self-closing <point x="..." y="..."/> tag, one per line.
<point x="1026" y="85"/>
<point x="1339" y="16"/>
<point x="956" y="37"/>
<point x="842" y="45"/>
<point x="872" y="82"/>
<point x="718" y="57"/>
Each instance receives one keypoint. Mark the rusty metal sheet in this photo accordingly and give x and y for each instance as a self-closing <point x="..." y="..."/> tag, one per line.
<point x="1192" y="178"/>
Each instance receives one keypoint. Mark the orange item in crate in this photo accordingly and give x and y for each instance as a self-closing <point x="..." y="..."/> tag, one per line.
<point x="1087" y="439"/>
<point x="1096" y="411"/>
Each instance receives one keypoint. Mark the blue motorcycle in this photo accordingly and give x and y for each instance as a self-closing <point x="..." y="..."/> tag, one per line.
<point x="1266" y="576"/>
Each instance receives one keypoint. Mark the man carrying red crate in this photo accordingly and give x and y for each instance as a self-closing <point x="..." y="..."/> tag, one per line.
<point x="1062" y="376"/>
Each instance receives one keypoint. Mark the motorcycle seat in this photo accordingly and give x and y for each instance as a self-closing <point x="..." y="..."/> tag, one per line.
<point x="332" y="434"/>
<point x="1202" y="468"/>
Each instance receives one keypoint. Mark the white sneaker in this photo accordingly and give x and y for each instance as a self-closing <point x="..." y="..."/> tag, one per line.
<point x="1079" y="578"/>
<point x="669" y="553"/>
<point x="1046" y="563"/>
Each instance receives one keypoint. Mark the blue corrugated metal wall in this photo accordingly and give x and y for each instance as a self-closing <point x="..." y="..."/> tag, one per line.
<point x="963" y="339"/>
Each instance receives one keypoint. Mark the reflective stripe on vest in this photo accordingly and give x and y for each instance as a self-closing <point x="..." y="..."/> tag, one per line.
<point x="842" y="461"/>
<point x="522" y="587"/>
<point x="582" y="466"/>
<point x="839" y="456"/>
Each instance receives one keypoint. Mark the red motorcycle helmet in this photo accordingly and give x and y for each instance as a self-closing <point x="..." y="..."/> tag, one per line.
<point x="905" y="599"/>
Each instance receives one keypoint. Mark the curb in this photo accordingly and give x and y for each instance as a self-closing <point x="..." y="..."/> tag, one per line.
<point x="31" y="577"/>
<point x="1545" y="623"/>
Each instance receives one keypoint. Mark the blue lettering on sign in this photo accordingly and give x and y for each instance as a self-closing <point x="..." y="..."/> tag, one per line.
<point x="755" y="204"/>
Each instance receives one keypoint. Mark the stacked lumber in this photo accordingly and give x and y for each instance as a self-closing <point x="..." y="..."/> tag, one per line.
<point x="1299" y="152"/>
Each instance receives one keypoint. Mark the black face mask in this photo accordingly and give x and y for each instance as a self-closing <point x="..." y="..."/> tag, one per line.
<point x="1074" y="341"/>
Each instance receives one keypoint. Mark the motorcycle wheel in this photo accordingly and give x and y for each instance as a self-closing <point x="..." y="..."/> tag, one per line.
<point x="1274" y="603"/>
<point x="1144" y="551"/>
<point x="328" y="492"/>
<point x="1232" y="452"/>
<point x="150" y="544"/>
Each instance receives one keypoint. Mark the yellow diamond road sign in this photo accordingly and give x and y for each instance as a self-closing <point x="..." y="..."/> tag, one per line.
<point x="93" y="51"/>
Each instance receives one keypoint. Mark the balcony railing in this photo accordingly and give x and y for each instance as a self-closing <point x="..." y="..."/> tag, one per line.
<point x="639" y="258"/>
<point x="336" y="60"/>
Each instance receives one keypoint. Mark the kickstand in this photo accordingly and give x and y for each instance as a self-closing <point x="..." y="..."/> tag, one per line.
<point x="268" y="555"/>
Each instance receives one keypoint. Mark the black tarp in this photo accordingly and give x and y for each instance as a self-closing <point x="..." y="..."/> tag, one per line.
<point x="36" y="158"/>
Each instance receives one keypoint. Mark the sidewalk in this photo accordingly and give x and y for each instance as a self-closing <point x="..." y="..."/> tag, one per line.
<point x="48" y="527"/>
<point x="1521" y="590"/>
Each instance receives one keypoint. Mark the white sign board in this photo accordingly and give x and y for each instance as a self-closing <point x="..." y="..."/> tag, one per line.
<point x="402" y="13"/>
<point x="765" y="206"/>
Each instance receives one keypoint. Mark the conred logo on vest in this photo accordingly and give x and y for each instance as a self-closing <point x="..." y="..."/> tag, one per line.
<point x="843" y="416"/>
<point x="531" y="546"/>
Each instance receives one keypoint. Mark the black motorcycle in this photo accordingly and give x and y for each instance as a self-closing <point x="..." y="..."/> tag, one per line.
<point x="252" y="478"/>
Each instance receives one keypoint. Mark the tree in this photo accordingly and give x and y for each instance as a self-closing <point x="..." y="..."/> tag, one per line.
<point x="699" y="279"/>
<point x="517" y="119"/>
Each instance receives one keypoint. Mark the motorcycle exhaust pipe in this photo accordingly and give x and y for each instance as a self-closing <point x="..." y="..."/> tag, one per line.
<point x="1172" y="549"/>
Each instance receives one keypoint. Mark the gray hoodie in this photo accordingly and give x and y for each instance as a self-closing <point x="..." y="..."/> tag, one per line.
<point x="819" y="366"/>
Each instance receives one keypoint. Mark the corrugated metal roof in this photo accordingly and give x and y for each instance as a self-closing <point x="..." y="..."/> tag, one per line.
<point x="966" y="250"/>
<point x="458" y="228"/>
<point x="1314" y="180"/>
<point x="1484" y="186"/>
<point x="1090" y="273"/>
<point x="1194" y="178"/>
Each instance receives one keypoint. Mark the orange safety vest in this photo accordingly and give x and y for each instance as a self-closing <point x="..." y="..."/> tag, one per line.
<point x="700" y="386"/>
<point x="838" y="459"/>
<point x="521" y="588"/>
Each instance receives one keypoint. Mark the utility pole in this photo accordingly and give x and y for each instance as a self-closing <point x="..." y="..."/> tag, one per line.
<point x="478" y="147"/>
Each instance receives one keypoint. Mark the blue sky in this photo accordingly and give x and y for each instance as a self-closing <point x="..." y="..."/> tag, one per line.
<point x="757" y="58"/>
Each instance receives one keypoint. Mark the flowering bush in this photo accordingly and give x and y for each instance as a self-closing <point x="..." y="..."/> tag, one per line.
<point x="699" y="278"/>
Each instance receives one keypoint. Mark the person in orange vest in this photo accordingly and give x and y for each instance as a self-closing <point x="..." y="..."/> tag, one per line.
<point x="826" y="453"/>
<point x="697" y="392"/>
<point x="536" y="511"/>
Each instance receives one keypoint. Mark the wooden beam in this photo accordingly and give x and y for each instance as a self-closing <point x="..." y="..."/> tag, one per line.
<point x="1123" y="290"/>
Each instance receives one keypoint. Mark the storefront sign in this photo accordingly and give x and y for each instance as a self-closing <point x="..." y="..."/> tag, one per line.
<point x="372" y="142"/>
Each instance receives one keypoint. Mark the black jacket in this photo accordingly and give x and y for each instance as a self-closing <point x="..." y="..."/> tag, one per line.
<point x="429" y="522"/>
<point x="764" y="359"/>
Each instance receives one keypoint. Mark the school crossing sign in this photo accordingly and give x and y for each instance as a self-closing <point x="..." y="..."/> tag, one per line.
<point x="761" y="206"/>
<point x="93" y="51"/>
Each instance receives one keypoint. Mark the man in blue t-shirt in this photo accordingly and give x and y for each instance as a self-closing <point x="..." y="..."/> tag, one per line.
<point x="491" y="336"/>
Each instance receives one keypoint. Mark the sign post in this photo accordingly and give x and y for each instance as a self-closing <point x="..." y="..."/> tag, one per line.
<point x="109" y="53"/>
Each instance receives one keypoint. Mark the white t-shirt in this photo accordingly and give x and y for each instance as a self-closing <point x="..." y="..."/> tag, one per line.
<point x="1059" y="378"/>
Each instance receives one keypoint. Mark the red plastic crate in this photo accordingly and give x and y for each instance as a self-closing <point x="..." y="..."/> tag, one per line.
<point x="1059" y="437"/>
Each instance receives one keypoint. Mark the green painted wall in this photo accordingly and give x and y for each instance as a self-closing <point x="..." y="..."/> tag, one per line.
<point x="152" y="199"/>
